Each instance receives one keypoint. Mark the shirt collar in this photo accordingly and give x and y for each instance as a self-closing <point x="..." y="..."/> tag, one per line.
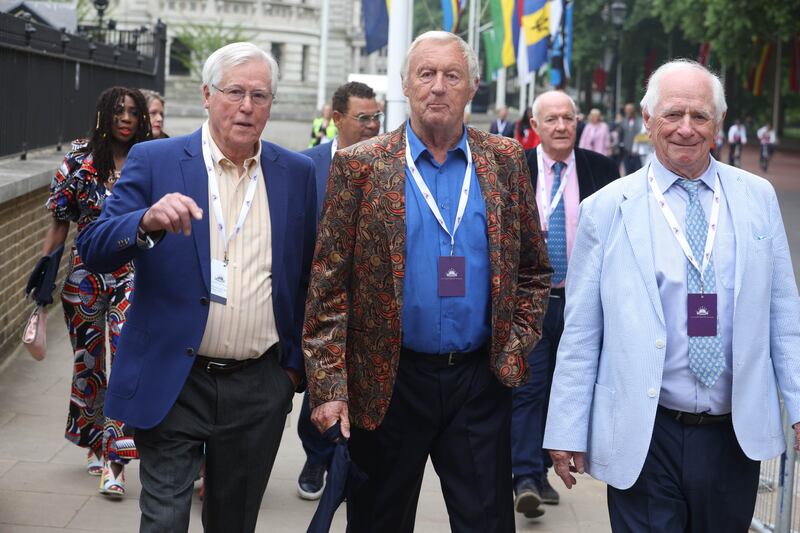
<point x="219" y="157"/>
<point x="548" y="161"/>
<point x="665" y="178"/>
<point x="418" y="147"/>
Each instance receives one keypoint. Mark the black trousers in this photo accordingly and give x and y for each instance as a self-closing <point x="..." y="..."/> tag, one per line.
<point x="239" y="419"/>
<point x="458" y="415"/>
<point x="696" y="479"/>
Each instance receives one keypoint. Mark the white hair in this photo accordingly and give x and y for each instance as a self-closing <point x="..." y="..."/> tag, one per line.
<point x="653" y="94"/>
<point x="444" y="36"/>
<point x="537" y="103"/>
<point x="235" y="54"/>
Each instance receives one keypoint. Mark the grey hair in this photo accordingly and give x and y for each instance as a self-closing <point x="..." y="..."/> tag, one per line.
<point x="151" y="95"/>
<point x="653" y="94"/>
<point x="537" y="103"/>
<point x="444" y="36"/>
<point x="235" y="54"/>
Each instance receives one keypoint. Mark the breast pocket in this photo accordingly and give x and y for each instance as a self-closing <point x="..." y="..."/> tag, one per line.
<point x="725" y="259"/>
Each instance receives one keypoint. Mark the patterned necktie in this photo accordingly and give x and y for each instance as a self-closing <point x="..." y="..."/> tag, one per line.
<point x="557" y="230"/>
<point x="705" y="353"/>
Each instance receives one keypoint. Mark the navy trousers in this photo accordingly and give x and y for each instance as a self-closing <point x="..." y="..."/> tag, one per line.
<point x="458" y="415"/>
<point x="318" y="449"/>
<point x="696" y="479"/>
<point x="529" y="407"/>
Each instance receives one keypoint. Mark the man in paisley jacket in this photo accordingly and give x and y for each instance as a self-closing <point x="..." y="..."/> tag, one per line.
<point x="428" y="290"/>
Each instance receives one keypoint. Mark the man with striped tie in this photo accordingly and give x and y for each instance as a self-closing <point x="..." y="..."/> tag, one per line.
<point x="562" y="177"/>
<point x="682" y="324"/>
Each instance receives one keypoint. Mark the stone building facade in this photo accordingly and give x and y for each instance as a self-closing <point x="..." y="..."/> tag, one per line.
<point x="290" y="29"/>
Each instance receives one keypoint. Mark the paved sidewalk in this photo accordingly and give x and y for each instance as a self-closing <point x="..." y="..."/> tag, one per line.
<point x="44" y="486"/>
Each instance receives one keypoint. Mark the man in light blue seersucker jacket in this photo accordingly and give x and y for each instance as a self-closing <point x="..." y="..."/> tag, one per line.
<point x="666" y="383"/>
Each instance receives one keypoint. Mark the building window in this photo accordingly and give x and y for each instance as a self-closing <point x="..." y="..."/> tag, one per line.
<point x="179" y="58"/>
<point x="304" y="63"/>
<point x="277" y="52"/>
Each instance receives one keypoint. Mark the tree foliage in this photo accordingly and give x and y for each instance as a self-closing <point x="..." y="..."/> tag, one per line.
<point x="730" y="26"/>
<point x="203" y="39"/>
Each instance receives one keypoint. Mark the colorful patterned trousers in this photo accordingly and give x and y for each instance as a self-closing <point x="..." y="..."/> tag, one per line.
<point x="94" y="310"/>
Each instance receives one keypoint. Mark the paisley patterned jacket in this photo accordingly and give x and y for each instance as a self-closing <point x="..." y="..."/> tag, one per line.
<point x="353" y="332"/>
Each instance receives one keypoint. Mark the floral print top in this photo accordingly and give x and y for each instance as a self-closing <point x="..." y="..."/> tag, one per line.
<point x="76" y="194"/>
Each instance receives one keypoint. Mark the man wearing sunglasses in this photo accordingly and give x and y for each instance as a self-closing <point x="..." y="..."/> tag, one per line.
<point x="357" y="117"/>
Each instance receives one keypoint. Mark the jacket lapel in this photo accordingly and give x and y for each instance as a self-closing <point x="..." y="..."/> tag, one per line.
<point x="392" y="182"/>
<point x="483" y="161"/>
<point x="195" y="182"/>
<point x="278" y="200"/>
<point x="635" y="217"/>
<point x="586" y="183"/>
<point x="736" y="198"/>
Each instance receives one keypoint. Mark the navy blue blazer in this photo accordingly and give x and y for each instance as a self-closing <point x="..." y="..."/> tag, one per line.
<point x="164" y="327"/>
<point x="321" y="155"/>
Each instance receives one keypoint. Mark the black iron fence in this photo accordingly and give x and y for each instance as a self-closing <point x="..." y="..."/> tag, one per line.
<point x="50" y="79"/>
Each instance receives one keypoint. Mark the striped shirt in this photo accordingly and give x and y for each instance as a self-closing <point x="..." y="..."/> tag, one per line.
<point x="245" y="326"/>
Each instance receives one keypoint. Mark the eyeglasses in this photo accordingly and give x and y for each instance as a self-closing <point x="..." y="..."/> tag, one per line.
<point x="235" y="95"/>
<point x="366" y="119"/>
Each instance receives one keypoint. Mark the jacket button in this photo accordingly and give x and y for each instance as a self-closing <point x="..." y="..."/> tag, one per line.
<point x="203" y="301"/>
<point x="190" y="351"/>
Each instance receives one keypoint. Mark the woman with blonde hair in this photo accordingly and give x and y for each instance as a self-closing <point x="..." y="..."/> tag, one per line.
<point x="155" y="108"/>
<point x="595" y="135"/>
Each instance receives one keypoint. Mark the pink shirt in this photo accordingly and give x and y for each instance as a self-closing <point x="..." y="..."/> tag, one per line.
<point x="595" y="137"/>
<point x="571" y="197"/>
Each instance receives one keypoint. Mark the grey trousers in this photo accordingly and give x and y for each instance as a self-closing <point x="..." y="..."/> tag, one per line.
<point x="237" y="419"/>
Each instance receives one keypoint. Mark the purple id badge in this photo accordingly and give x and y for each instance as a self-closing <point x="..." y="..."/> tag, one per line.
<point x="702" y="315"/>
<point x="451" y="276"/>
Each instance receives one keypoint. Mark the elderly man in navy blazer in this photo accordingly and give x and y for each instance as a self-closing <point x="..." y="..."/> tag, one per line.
<point x="682" y="324"/>
<point x="581" y="173"/>
<point x="220" y="227"/>
<point x="357" y="117"/>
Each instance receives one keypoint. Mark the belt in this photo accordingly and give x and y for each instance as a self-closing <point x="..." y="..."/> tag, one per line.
<point x="694" y="419"/>
<point x="557" y="292"/>
<point x="443" y="359"/>
<point x="218" y="365"/>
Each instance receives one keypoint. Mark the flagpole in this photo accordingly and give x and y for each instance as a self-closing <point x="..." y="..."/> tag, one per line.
<point x="397" y="47"/>
<point x="323" y="56"/>
<point x="532" y="94"/>
<point x="500" y="97"/>
<point x="471" y="38"/>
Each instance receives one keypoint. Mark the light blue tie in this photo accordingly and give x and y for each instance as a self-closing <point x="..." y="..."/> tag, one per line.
<point x="705" y="353"/>
<point x="557" y="230"/>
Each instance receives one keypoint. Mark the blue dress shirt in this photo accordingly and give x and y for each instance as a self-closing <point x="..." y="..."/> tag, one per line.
<point x="680" y="389"/>
<point x="431" y="323"/>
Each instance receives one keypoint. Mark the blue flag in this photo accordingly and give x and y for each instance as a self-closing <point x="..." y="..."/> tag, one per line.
<point x="535" y="27"/>
<point x="376" y="24"/>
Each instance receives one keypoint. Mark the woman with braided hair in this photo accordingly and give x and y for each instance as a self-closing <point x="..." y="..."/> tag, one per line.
<point x="95" y="304"/>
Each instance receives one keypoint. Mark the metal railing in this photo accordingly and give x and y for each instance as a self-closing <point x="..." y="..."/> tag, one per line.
<point x="51" y="79"/>
<point x="776" y="510"/>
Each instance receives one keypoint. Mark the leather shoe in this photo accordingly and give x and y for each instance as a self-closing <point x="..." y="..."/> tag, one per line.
<point x="548" y="493"/>
<point x="311" y="482"/>
<point x="527" y="499"/>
